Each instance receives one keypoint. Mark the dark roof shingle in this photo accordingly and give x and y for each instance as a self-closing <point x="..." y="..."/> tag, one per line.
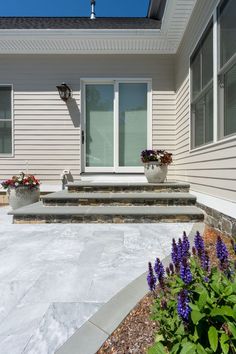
<point x="78" y="23"/>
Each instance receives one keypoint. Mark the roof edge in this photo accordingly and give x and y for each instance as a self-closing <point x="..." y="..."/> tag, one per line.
<point x="156" y="9"/>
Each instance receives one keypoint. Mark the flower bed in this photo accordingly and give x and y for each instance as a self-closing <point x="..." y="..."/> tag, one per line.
<point x="138" y="330"/>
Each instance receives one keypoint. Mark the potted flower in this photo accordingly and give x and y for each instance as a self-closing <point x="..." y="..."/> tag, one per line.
<point x="22" y="190"/>
<point x="156" y="164"/>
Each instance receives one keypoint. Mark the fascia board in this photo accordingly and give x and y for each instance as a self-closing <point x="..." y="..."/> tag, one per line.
<point x="96" y="33"/>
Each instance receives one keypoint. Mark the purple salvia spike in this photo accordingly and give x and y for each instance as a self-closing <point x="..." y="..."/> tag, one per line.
<point x="151" y="279"/>
<point x="183" y="308"/>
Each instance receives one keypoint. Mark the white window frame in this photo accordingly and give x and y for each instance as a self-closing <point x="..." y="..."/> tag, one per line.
<point x="221" y="71"/>
<point x="204" y="90"/>
<point x="115" y="81"/>
<point x="218" y="114"/>
<point x="6" y="155"/>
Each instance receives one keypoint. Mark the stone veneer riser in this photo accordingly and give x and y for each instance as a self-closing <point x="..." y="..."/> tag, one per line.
<point x="101" y="219"/>
<point x="129" y="202"/>
<point x="128" y="188"/>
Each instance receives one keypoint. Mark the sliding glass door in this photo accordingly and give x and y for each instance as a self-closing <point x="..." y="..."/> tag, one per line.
<point x="116" y="125"/>
<point x="99" y="125"/>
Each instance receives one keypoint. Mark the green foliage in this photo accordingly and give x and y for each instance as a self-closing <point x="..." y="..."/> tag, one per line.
<point x="211" y="327"/>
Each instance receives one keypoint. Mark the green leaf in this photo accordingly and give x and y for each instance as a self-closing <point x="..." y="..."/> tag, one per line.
<point x="196" y="316"/>
<point x="175" y="348"/>
<point x="200" y="349"/>
<point x="215" y="287"/>
<point x="158" y="348"/>
<point x="159" y="338"/>
<point x="188" y="348"/>
<point x="195" y="335"/>
<point x="228" y="290"/>
<point x="193" y="306"/>
<point x="234" y="287"/>
<point x="202" y="300"/>
<point x="213" y="338"/>
<point x="223" y="344"/>
<point x="222" y="311"/>
<point x="234" y="311"/>
<point x="232" y="298"/>
<point x="232" y="329"/>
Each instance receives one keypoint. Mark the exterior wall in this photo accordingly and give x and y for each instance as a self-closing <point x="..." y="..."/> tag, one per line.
<point x="210" y="170"/>
<point x="47" y="130"/>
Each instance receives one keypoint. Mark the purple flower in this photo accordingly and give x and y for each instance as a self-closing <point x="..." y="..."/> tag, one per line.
<point x="185" y="245"/>
<point x="175" y="254"/>
<point x="199" y="244"/>
<point x="151" y="279"/>
<point x="205" y="261"/>
<point x="172" y="270"/>
<point x="168" y="271"/>
<point x="222" y="252"/>
<point x="206" y="279"/>
<point x="185" y="272"/>
<point x="163" y="304"/>
<point x="160" y="272"/>
<point x="180" y="250"/>
<point x="183" y="308"/>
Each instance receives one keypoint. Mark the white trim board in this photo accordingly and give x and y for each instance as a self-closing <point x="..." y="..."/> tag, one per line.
<point x="224" y="206"/>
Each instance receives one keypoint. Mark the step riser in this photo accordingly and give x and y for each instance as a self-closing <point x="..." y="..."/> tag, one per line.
<point x="101" y="219"/>
<point x="124" y="202"/>
<point x="127" y="189"/>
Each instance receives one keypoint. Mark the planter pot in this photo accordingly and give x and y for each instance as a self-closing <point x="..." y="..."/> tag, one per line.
<point x="154" y="172"/>
<point x="22" y="196"/>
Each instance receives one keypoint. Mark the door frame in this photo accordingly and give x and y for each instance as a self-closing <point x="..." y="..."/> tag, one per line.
<point x="114" y="81"/>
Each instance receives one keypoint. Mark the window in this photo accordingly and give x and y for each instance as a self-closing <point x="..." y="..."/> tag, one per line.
<point x="213" y="79"/>
<point x="5" y="120"/>
<point x="202" y="90"/>
<point x="227" y="67"/>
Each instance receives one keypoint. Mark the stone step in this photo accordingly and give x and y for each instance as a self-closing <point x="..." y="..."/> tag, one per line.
<point x="38" y="213"/>
<point x="125" y="187"/>
<point x="110" y="198"/>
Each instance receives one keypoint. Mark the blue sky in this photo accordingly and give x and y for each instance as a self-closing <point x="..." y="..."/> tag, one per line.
<point x="73" y="8"/>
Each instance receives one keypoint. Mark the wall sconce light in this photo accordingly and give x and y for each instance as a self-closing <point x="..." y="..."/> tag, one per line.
<point x="64" y="91"/>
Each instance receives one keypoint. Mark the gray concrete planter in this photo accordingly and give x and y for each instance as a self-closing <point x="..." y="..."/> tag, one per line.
<point x="154" y="172"/>
<point x="22" y="196"/>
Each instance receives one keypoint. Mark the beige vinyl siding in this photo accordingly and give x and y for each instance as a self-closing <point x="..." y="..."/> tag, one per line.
<point x="47" y="130"/>
<point x="211" y="169"/>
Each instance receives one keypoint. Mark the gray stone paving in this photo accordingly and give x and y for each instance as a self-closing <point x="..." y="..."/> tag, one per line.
<point x="54" y="277"/>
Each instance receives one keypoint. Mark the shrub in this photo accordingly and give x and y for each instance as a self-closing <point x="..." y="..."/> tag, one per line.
<point x="195" y="304"/>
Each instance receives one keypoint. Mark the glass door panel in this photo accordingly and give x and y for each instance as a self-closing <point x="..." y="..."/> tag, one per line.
<point x="99" y="125"/>
<point x="132" y="123"/>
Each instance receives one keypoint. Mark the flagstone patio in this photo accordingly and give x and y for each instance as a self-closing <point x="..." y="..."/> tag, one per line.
<point x="54" y="277"/>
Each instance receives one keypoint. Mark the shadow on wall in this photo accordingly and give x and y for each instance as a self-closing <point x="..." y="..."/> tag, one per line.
<point x="74" y="112"/>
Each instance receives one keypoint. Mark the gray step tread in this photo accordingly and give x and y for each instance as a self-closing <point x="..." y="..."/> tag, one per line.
<point x="65" y="195"/>
<point x="40" y="209"/>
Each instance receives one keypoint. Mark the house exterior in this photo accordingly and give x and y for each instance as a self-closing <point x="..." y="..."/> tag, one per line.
<point x="166" y="81"/>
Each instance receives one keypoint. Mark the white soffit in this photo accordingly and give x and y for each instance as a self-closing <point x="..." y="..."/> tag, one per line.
<point x="104" y="41"/>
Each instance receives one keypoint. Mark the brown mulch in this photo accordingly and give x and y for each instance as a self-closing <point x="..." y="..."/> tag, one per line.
<point x="137" y="332"/>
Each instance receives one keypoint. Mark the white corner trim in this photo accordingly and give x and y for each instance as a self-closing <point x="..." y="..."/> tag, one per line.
<point x="224" y="206"/>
